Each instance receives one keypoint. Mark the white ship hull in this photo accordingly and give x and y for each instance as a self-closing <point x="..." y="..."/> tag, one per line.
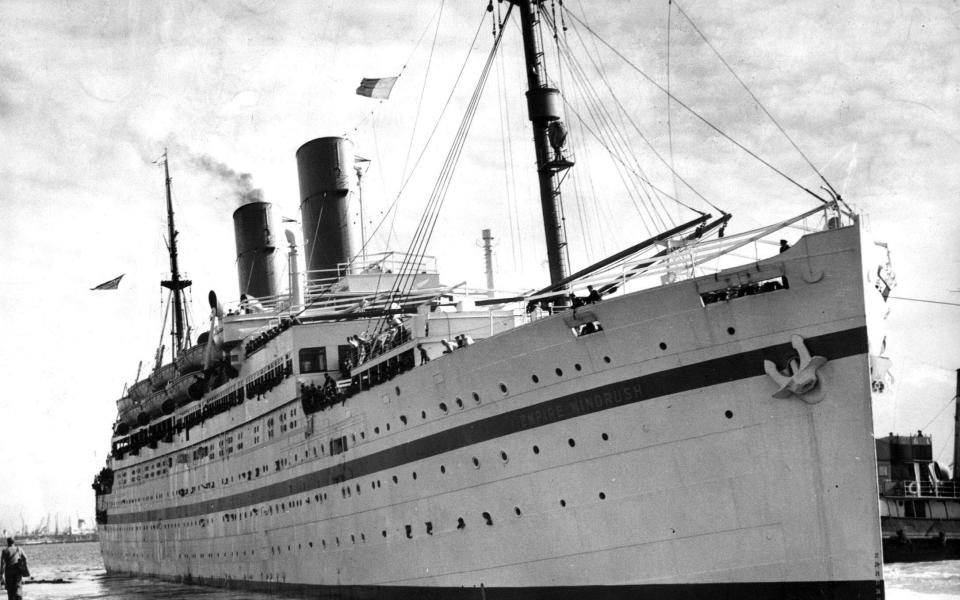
<point x="646" y="460"/>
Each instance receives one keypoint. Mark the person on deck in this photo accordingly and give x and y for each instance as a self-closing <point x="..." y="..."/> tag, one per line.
<point x="593" y="296"/>
<point x="424" y="355"/>
<point x="10" y="576"/>
<point x="784" y="246"/>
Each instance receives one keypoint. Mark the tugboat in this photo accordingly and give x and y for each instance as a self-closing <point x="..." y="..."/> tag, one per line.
<point x="919" y="500"/>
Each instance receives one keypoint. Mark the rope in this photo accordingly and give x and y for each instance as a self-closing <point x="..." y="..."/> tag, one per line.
<point x="669" y="101"/>
<point x="926" y="301"/>
<point x="698" y="115"/>
<point x="424" y="232"/>
<point x="423" y="89"/>
<point x="426" y="144"/>
<point x="371" y="112"/>
<point x="755" y="99"/>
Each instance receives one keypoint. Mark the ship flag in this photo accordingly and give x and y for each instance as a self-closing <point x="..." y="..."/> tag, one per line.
<point x="109" y="285"/>
<point x="378" y="88"/>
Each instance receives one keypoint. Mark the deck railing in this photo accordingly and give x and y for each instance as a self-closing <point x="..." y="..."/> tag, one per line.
<point x="924" y="489"/>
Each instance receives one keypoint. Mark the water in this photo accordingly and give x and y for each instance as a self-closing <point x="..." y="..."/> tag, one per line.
<point x="75" y="571"/>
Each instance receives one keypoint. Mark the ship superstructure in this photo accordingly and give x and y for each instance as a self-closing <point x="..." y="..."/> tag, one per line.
<point x="710" y="436"/>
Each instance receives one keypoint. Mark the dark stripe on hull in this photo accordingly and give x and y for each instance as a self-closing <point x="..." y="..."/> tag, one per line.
<point x="780" y="590"/>
<point x="735" y="367"/>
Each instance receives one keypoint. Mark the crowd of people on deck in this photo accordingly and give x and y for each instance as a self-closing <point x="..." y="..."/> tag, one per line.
<point x="366" y="346"/>
<point x="260" y="340"/>
<point x="318" y="397"/>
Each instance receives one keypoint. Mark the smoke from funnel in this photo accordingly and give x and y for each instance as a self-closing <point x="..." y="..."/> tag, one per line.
<point x="240" y="183"/>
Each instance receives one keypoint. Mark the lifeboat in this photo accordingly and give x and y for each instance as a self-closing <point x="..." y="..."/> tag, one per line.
<point x="140" y="390"/>
<point x="151" y="408"/>
<point x="160" y="377"/>
<point x="178" y="391"/>
<point x="191" y="360"/>
<point x="127" y="410"/>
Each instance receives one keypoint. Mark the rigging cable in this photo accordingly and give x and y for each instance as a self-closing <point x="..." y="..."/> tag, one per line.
<point x="423" y="89"/>
<point x="371" y="112"/>
<point x="609" y="129"/>
<point x="673" y="170"/>
<point x="424" y="232"/>
<point x="506" y="148"/>
<point x="653" y="149"/>
<point x="651" y="194"/>
<point x="755" y="99"/>
<point x="603" y="122"/>
<point x="701" y="117"/>
<point x="614" y="133"/>
<point x="423" y="150"/>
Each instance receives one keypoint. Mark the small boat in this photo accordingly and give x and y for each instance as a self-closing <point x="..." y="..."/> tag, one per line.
<point x="919" y="500"/>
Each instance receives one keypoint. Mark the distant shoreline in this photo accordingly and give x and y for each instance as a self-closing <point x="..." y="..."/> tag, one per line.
<point x="63" y="539"/>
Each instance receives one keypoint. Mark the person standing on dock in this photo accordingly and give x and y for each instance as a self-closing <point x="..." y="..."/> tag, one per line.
<point x="11" y="576"/>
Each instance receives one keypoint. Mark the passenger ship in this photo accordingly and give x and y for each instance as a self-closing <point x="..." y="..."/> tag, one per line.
<point x="707" y="437"/>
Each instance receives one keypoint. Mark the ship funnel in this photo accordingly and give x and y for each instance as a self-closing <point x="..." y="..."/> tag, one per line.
<point x="253" y="227"/>
<point x="325" y="169"/>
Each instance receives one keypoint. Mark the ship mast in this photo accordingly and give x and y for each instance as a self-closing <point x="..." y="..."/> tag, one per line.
<point x="174" y="284"/>
<point x="543" y="105"/>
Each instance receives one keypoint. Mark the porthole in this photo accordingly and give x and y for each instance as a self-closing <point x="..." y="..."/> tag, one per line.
<point x="731" y="330"/>
<point x="395" y="479"/>
<point x="572" y="442"/>
<point x="503" y="456"/>
<point x="443" y="406"/>
<point x="604" y="436"/>
<point x="397" y="390"/>
<point x="536" y="449"/>
<point x="363" y="435"/>
<point x="728" y="414"/>
<point x="459" y="403"/>
<point x="663" y="346"/>
<point x="403" y="419"/>
<point x="443" y="469"/>
<point x="423" y="414"/>
<point x="535" y="379"/>
<point x="503" y="388"/>
<point x="388" y="426"/>
<point x="577" y="367"/>
<point x="414" y="475"/>
<point x="563" y="502"/>
<point x="559" y="372"/>
<point x="516" y="509"/>
<point x="603" y="496"/>
<point x="487" y="518"/>
<point x="606" y="359"/>
<point x="476" y="397"/>
<point x="476" y="462"/>
<point x="383" y="533"/>
<point x="376" y="429"/>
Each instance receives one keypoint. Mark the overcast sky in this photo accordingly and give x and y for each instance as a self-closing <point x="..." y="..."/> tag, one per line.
<point x="92" y="92"/>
